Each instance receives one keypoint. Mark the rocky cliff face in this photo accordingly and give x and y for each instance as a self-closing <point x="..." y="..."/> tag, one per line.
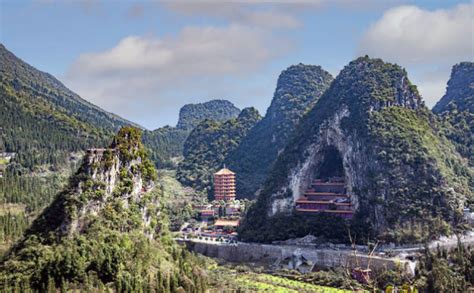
<point x="106" y="230"/>
<point x="121" y="173"/>
<point x="298" y="89"/>
<point x="402" y="176"/>
<point x="460" y="90"/>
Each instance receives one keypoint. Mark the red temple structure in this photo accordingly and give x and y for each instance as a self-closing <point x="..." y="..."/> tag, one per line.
<point x="224" y="185"/>
<point x="328" y="196"/>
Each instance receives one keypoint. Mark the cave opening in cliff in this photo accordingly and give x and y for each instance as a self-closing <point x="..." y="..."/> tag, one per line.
<point x="331" y="164"/>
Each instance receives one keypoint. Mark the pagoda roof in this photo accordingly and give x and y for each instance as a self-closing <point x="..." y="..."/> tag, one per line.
<point x="224" y="171"/>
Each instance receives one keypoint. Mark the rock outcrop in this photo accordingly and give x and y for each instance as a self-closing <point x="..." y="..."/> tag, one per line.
<point x="460" y="90"/>
<point x="121" y="172"/>
<point x="405" y="180"/>
<point x="106" y="230"/>
<point x="190" y="115"/>
<point x="299" y="87"/>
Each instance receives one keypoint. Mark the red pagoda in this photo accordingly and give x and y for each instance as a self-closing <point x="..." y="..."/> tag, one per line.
<point x="224" y="185"/>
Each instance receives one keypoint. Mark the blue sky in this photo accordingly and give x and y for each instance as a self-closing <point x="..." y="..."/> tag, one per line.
<point x="143" y="60"/>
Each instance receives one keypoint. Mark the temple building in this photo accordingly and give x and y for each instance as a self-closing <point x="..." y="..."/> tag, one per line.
<point x="327" y="196"/>
<point x="224" y="185"/>
<point x="328" y="192"/>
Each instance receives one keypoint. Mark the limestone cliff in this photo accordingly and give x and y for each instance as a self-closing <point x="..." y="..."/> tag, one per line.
<point x="120" y="173"/>
<point x="298" y="88"/>
<point x="405" y="179"/>
<point x="106" y="230"/>
<point x="460" y="90"/>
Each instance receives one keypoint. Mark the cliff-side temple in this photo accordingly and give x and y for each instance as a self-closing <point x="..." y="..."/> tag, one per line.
<point x="327" y="193"/>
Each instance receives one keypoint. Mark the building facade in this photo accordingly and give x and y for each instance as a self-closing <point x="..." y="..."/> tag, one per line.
<point x="328" y="196"/>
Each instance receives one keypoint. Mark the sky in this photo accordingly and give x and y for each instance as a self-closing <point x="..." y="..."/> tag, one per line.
<point x="143" y="60"/>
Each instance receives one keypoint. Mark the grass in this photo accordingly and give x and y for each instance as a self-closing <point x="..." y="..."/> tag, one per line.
<point x="12" y="208"/>
<point x="270" y="283"/>
<point x="224" y="278"/>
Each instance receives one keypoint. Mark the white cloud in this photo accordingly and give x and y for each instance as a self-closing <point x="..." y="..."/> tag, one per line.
<point x="428" y="43"/>
<point x="245" y="13"/>
<point x="408" y="34"/>
<point x="144" y="77"/>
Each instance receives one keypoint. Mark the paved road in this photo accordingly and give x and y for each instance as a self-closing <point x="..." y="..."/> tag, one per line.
<point x="445" y="242"/>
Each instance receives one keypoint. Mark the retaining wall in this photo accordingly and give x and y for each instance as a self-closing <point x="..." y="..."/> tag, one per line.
<point x="269" y="254"/>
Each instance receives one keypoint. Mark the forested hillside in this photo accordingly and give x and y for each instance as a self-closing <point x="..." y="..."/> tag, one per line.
<point x="167" y="142"/>
<point x="298" y="89"/>
<point x="207" y="146"/>
<point x="406" y="180"/>
<point x="43" y="121"/>
<point x="456" y="109"/>
<point x="164" y="144"/>
<point x="107" y="229"/>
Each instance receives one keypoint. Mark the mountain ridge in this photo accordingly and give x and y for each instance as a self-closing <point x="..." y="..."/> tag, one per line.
<point x="22" y="70"/>
<point x="456" y="109"/>
<point x="298" y="88"/>
<point x="392" y="157"/>
<point x="167" y="142"/>
<point x="207" y="146"/>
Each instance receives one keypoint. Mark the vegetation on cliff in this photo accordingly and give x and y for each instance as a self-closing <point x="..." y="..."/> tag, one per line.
<point x="167" y="142"/>
<point x="190" y="115"/>
<point x="207" y="146"/>
<point x="164" y="144"/>
<point x="456" y="109"/>
<point x="298" y="89"/>
<point x="409" y="182"/>
<point x="106" y="230"/>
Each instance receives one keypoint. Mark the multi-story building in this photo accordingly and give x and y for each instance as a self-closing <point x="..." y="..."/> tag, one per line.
<point x="224" y="185"/>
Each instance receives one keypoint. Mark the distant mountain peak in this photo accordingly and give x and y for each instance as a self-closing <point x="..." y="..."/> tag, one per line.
<point x="219" y="110"/>
<point x="209" y="143"/>
<point x="456" y="109"/>
<point x="13" y="69"/>
<point x="371" y="131"/>
<point x="36" y="102"/>
<point x="460" y="90"/>
<point x="298" y="89"/>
